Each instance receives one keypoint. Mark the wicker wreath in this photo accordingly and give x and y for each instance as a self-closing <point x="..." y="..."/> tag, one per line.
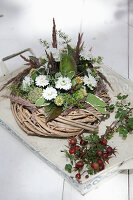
<point x="73" y="124"/>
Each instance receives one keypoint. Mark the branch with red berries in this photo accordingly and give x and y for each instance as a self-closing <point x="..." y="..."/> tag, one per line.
<point x="89" y="155"/>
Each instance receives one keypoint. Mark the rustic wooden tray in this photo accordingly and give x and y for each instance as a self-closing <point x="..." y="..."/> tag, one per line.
<point x="49" y="149"/>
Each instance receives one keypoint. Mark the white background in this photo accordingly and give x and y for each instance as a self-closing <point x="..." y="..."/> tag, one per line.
<point x="108" y="28"/>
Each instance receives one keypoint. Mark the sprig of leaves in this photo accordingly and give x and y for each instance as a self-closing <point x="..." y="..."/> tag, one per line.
<point x="123" y="115"/>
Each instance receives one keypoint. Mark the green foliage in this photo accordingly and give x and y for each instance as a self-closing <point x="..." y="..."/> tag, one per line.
<point x="90" y="170"/>
<point x="70" y="156"/>
<point x="15" y="89"/>
<point x="130" y="124"/>
<point x="78" y="95"/>
<point x="34" y="75"/>
<point x="110" y="108"/>
<point x="57" y="75"/>
<point x="41" y="102"/>
<point x="45" y="43"/>
<point x="71" y="74"/>
<point x="68" y="168"/>
<point x="96" y="102"/>
<point x="64" y="37"/>
<point x="123" y="131"/>
<point x="97" y="60"/>
<point x="52" y="111"/>
<point x="121" y="97"/>
<point x="73" y="100"/>
<point x="93" y="138"/>
<point x="70" y="50"/>
<point x="67" y="64"/>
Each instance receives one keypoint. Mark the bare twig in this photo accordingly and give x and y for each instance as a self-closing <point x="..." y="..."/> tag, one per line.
<point x="17" y="78"/>
<point x="104" y="78"/>
<point x="19" y="100"/>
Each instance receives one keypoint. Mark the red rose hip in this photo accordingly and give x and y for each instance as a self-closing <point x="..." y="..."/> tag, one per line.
<point x="72" y="151"/>
<point x="105" y="155"/>
<point x="100" y="162"/>
<point x="78" y="176"/>
<point x="101" y="167"/>
<point x="73" y="141"/>
<point x="95" y="165"/>
<point x="109" y="150"/>
<point x="76" y="147"/>
<point x="99" y="153"/>
<point x="79" y="164"/>
<point x="104" y="142"/>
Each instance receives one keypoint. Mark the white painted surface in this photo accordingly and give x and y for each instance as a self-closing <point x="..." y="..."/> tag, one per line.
<point x="105" y="26"/>
<point x="115" y="188"/>
<point x="23" y="176"/>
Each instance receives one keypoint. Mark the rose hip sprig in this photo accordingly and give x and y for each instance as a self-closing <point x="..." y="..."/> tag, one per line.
<point x="88" y="155"/>
<point x="91" y="153"/>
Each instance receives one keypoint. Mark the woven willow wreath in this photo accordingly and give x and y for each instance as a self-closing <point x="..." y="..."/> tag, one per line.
<point x="73" y="124"/>
<point x="62" y="94"/>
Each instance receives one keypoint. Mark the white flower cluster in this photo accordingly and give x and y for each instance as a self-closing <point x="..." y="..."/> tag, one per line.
<point x="27" y="82"/>
<point x="41" y="81"/>
<point x="49" y="93"/>
<point x="63" y="83"/>
<point x="90" y="81"/>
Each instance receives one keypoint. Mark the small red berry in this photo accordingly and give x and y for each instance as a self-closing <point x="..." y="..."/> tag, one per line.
<point x="78" y="176"/>
<point x="100" y="162"/>
<point x="87" y="176"/>
<point x="95" y="165"/>
<point x="104" y="142"/>
<point x="105" y="155"/>
<point x="99" y="153"/>
<point x="79" y="164"/>
<point x="101" y="167"/>
<point x="76" y="147"/>
<point x="109" y="150"/>
<point x="72" y="151"/>
<point x="73" y="141"/>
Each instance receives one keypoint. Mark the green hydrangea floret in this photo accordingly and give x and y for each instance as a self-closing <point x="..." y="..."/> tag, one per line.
<point x="78" y="95"/>
<point x="35" y="94"/>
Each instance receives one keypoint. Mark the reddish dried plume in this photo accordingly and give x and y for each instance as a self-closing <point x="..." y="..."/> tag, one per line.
<point x="78" y="47"/>
<point x="54" y="43"/>
<point x="51" y="61"/>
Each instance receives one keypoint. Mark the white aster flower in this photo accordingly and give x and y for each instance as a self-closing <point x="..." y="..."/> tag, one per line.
<point x="42" y="80"/>
<point x="26" y="81"/>
<point x="90" y="81"/>
<point x="49" y="93"/>
<point x="63" y="83"/>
